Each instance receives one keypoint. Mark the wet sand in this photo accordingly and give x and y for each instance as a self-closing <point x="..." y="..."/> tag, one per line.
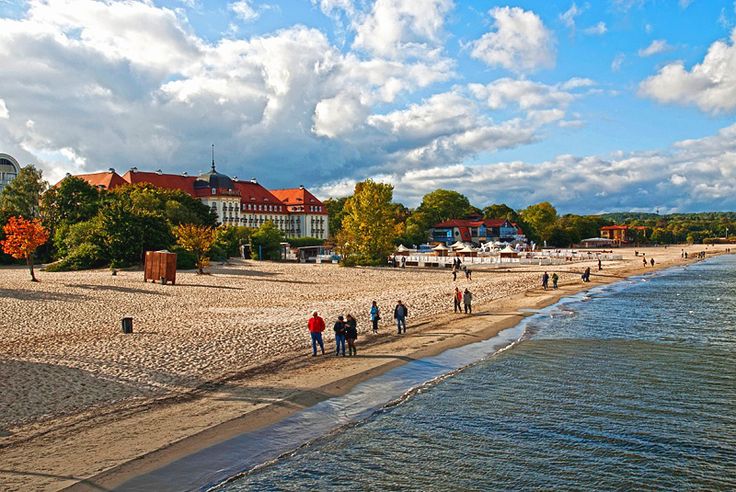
<point x="215" y="355"/>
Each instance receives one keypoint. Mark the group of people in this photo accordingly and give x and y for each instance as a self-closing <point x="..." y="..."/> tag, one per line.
<point x="396" y="262"/>
<point x="346" y="328"/>
<point x="457" y="265"/>
<point x="463" y="299"/>
<point x="546" y="278"/>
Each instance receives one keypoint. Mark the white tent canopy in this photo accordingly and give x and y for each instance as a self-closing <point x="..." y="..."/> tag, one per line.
<point x="440" y="247"/>
<point x="508" y="249"/>
<point x="467" y="249"/>
<point x="402" y="248"/>
<point x="457" y="245"/>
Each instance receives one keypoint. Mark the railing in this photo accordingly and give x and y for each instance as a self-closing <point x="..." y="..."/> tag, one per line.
<point x="533" y="259"/>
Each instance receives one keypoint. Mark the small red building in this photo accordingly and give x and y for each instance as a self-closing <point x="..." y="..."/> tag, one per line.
<point x="624" y="234"/>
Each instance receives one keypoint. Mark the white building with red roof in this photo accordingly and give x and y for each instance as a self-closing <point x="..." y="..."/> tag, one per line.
<point x="236" y="202"/>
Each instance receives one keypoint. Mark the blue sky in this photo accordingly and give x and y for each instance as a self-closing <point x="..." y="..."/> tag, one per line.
<point x="594" y="106"/>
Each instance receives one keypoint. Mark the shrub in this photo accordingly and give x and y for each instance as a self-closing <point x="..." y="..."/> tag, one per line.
<point x="83" y="257"/>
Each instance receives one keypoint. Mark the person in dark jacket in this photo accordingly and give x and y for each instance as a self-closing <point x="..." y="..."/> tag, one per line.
<point x="351" y="334"/>
<point x="468" y="300"/>
<point x="545" y="280"/>
<point x="340" y="328"/>
<point x="400" y="314"/>
<point x="375" y="316"/>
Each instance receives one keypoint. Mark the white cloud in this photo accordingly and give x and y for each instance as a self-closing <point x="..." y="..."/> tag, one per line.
<point x="4" y="113"/>
<point x="685" y="3"/>
<point x="645" y="180"/>
<point x="244" y="10"/>
<point x="597" y="30"/>
<point x="655" y="47"/>
<point x="568" y="17"/>
<point x="617" y="62"/>
<point x="710" y="85"/>
<point x="519" y="42"/>
<point x="402" y="28"/>
<point x="527" y="94"/>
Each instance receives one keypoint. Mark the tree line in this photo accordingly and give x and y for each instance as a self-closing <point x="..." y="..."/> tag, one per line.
<point x="87" y="227"/>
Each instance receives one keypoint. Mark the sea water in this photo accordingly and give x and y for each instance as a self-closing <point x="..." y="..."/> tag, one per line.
<point x="628" y="386"/>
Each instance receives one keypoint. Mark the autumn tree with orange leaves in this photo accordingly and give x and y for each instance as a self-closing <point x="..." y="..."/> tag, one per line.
<point x="22" y="238"/>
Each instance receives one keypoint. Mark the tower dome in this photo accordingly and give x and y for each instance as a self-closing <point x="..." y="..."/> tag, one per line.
<point x="213" y="179"/>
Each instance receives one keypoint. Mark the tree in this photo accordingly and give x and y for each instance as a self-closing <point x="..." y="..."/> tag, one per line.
<point x="22" y="196"/>
<point x="436" y="206"/>
<point x="72" y="200"/>
<point x="265" y="243"/>
<point x="198" y="240"/>
<point x="368" y="231"/>
<point x="128" y="233"/>
<point x="500" y="211"/>
<point x="335" y="209"/>
<point x="176" y="206"/>
<point x="22" y="238"/>
<point x="540" y="217"/>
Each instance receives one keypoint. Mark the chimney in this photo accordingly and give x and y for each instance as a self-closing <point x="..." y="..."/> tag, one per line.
<point x="185" y="173"/>
<point x="159" y="172"/>
<point x="133" y="169"/>
<point x="111" y="170"/>
<point x="301" y="187"/>
<point x="254" y="180"/>
<point x="235" y="178"/>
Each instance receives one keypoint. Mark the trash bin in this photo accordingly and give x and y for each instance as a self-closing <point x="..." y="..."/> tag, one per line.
<point x="127" y="324"/>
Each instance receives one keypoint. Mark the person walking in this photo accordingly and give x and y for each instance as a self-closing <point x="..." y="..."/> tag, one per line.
<point x="545" y="280"/>
<point x="555" y="278"/>
<point x="316" y="327"/>
<point x="340" y="328"/>
<point x="652" y="262"/>
<point x="468" y="274"/>
<point x="351" y="334"/>
<point x="400" y="314"/>
<point x="586" y="275"/>
<point x="600" y="265"/>
<point x="403" y="262"/>
<point x="467" y="300"/>
<point x="458" y="297"/>
<point x="645" y="261"/>
<point x="375" y="316"/>
<point x="454" y="271"/>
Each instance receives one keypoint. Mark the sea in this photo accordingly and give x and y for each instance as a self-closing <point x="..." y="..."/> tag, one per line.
<point x="628" y="386"/>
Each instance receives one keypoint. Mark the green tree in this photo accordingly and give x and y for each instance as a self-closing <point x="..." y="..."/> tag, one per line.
<point x="21" y="197"/>
<point x="436" y="206"/>
<point x="500" y="211"/>
<point x="177" y="206"/>
<point x="368" y="229"/>
<point x="229" y="238"/>
<point x="540" y="217"/>
<point x="72" y="200"/>
<point x="265" y="243"/>
<point x="336" y="209"/>
<point x="127" y="233"/>
<point x="198" y="240"/>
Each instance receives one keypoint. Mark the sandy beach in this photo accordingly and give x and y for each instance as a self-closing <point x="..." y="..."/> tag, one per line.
<point x="85" y="405"/>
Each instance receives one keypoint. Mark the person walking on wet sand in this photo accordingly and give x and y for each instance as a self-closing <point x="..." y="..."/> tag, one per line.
<point x="586" y="275"/>
<point x="652" y="262"/>
<point x="400" y="314"/>
<point x="545" y="280"/>
<point x="340" y="328"/>
<point x="645" y="261"/>
<point x="458" y="299"/>
<point x="454" y="271"/>
<point x="555" y="278"/>
<point x="316" y="327"/>
<point x="351" y="334"/>
<point x="468" y="274"/>
<point x="375" y="316"/>
<point x="600" y="265"/>
<point x="467" y="300"/>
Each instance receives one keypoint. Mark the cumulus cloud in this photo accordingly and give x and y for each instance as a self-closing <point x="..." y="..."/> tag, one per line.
<point x="655" y="47"/>
<point x="643" y="180"/>
<point x="519" y="41"/>
<point x="568" y="16"/>
<point x="244" y="10"/>
<point x="402" y="28"/>
<point x="710" y="85"/>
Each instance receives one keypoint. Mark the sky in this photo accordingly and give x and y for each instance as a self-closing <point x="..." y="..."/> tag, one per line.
<point x="595" y="106"/>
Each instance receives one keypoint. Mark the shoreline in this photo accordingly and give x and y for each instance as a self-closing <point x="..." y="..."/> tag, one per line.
<point x="155" y="433"/>
<point x="272" y="414"/>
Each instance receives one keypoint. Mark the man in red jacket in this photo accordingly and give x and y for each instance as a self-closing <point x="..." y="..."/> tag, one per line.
<point x="316" y="327"/>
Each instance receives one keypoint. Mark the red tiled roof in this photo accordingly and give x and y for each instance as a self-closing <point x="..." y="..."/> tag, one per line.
<point x="615" y="228"/>
<point x="297" y="197"/>
<point x="168" y="181"/>
<point x="106" y="179"/>
<point x="251" y="192"/>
